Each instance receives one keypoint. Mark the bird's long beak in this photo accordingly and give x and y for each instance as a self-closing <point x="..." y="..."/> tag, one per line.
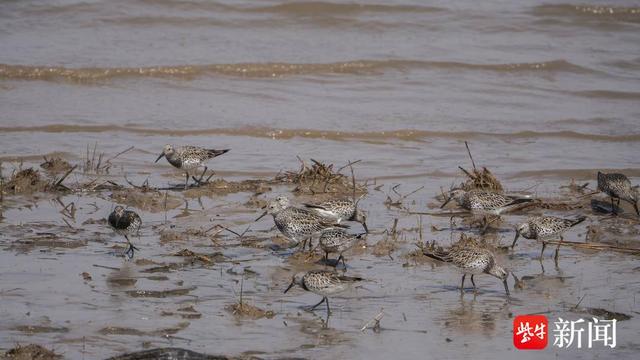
<point x="515" y="239"/>
<point x="290" y="286"/>
<point x="159" y="157"/>
<point x="364" y="225"/>
<point x="506" y="287"/>
<point x="445" y="202"/>
<point x="261" y="216"/>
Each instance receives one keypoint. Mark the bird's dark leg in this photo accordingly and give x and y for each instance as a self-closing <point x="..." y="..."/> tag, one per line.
<point x="131" y="249"/>
<point x="186" y="180"/>
<point x="326" y="257"/>
<point x="318" y="304"/>
<point x="462" y="285"/>
<point x="199" y="180"/>
<point x="544" y="245"/>
<point x="558" y="250"/>
<point x="343" y="262"/>
<point x="485" y="225"/>
<point x="203" y="173"/>
<point x="614" y="211"/>
<point x="474" y="284"/>
<point x="327" y="303"/>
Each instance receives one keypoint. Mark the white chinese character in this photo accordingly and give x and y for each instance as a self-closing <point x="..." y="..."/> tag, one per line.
<point x="599" y="331"/>
<point x="565" y="333"/>
<point x="539" y="331"/>
<point x="524" y="329"/>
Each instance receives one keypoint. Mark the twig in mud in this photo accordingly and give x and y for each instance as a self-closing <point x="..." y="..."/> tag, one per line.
<point x="229" y="230"/>
<point x="594" y="246"/>
<point x="106" y="267"/>
<point x="389" y="202"/>
<point x="394" y="228"/>
<point x="579" y="301"/>
<point x="120" y="153"/>
<point x="375" y="321"/>
<point x="353" y="183"/>
<point x="69" y="210"/>
<point x="144" y="187"/>
<point x="470" y="157"/>
<point x="350" y="163"/>
<point x="69" y="225"/>
<point x="588" y="194"/>
<point x="64" y="176"/>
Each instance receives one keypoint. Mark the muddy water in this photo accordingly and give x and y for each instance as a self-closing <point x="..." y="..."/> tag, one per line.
<point x="544" y="92"/>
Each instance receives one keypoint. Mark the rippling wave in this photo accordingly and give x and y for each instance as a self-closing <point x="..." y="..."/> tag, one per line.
<point x="611" y="13"/>
<point x="365" y="136"/>
<point x="262" y="70"/>
<point x="306" y="8"/>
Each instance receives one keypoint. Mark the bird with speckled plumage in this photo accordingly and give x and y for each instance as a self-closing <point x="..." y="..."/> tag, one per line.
<point x="544" y="228"/>
<point x="324" y="283"/>
<point x="126" y="223"/>
<point x="338" y="210"/>
<point x="484" y="203"/>
<point x="335" y="240"/>
<point x="471" y="259"/>
<point x="188" y="158"/>
<point x="618" y="187"/>
<point x="297" y="225"/>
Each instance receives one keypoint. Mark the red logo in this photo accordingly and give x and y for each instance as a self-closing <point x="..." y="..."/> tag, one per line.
<point x="530" y="332"/>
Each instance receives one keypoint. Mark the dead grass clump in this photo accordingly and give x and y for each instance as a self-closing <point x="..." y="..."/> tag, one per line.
<point x="55" y="165"/>
<point x="26" y="181"/>
<point x="30" y="352"/>
<point x="480" y="180"/>
<point x="249" y="311"/>
<point x="320" y="178"/>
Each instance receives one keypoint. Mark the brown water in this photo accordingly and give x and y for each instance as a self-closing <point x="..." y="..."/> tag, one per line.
<point x="544" y="92"/>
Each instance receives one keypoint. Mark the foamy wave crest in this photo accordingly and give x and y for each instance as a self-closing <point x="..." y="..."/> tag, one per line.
<point x="270" y="70"/>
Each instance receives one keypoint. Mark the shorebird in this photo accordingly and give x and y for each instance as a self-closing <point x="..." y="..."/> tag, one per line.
<point x="471" y="259"/>
<point x="188" y="158"/>
<point x="619" y="187"/>
<point x="543" y="228"/>
<point x="334" y="240"/>
<point x="484" y="203"/>
<point x="338" y="210"/>
<point x="125" y="222"/>
<point x="323" y="283"/>
<point x="294" y="223"/>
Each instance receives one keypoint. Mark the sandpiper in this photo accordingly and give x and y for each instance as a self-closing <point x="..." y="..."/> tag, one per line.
<point x="125" y="222"/>
<point x="294" y="223"/>
<point x="323" y="283"/>
<point x="335" y="240"/>
<point x="338" y="210"/>
<point x="619" y="187"/>
<point x="484" y="203"/>
<point x="543" y="228"/>
<point x="188" y="158"/>
<point x="471" y="259"/>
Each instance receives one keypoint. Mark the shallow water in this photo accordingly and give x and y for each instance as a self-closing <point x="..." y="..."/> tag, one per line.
<point x="544" y="92"/>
